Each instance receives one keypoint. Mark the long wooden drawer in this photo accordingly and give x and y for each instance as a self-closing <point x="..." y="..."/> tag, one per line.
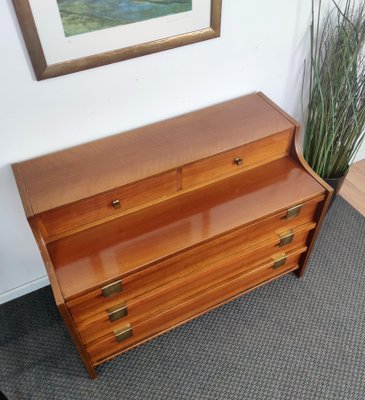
<point x="166" y="296"/>
<point x="297" y="236"/>
<point x="89" y="210"/>
<point x="108" y="345"/>
<point x="236" y="160"/>
<point x="142" y="282"/>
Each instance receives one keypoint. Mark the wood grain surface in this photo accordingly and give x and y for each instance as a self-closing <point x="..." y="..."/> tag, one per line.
<point x="93" y="209"/>
<point x="85" y="260"/>
<point x="353" y="189"/>
<point x="166" y="296"/>
<point x="83" y="171"/>
<point x="251" y="155"/>
<point x="249" y="236"/>
<point x="103" y="347"/>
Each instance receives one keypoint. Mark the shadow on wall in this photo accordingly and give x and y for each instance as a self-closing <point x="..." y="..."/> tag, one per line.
<point x="20" y="259"/>
<point x="293" y="87"/>
<point x="21" y="40"/>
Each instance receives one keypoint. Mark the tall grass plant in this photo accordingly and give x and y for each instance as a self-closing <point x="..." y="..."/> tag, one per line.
<point x="335" y="119"/>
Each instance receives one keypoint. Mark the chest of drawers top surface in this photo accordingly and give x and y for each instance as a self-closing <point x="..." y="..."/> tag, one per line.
<point x="77" y="173"/>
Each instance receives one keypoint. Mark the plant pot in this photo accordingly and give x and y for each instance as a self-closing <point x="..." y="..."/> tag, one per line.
<point x="336" y="184"/>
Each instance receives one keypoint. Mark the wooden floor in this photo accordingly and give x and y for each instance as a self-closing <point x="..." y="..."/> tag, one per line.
<point x="353" y="189"/>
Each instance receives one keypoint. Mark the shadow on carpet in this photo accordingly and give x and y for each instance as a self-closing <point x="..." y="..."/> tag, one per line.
<point x="292" y="339"/>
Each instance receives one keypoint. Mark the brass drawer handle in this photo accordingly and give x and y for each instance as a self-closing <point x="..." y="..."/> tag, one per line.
<point x="112" y="289"/>
<point x="117" y="312"/>
<point x="238" y="161"/>
<point x="116" y="204"/>
<point x="293" y="211"/>
<point x="279" y="260"/>
<point x="123" y="333"/>
<point x="286" y="238"/>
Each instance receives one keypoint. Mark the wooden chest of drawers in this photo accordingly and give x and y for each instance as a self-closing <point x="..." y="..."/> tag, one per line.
<point x="143" y="231"/>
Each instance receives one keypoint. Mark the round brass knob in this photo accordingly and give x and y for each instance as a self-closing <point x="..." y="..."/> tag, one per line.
<point x="116" y="204"/>
<point x="238" y="161"/>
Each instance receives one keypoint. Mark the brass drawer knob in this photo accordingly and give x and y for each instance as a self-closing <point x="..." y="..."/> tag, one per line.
<point x="123" y="333"/>
<point x="117" y="312"/>
<point x="112" y="289"/>
<point x="279" y="260"/>
<point x="116" y="204"/>
<point x="286" y="238"/>
<point x="238" y="161"/>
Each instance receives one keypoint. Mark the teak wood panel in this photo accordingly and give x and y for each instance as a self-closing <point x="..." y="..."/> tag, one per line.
<point x="193" y="306"/>
<point x="182" y="264"/>
<point x="62" y="219"/>
<point x="242" y="240"/>
<point x="60" y="302"/>
<point x="173" y="293"/>
<point x="296" y="153"/>
<point x="251" y="154"/>
<point x="99" y="332"/>
<point x="139" y="283"/>
<point x="118" y="352"/>
<point x="133" y="242"/>
<point x="80" y="172"/>
<point x="252" y="254"/>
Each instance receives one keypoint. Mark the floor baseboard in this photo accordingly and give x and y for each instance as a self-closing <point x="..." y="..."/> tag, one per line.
<point x="24" y="289"/>
<point x="360" y="155"/>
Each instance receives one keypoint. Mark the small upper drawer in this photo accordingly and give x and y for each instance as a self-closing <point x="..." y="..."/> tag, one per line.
<point x="237" y="159"/>
<point x="62" y="219"/>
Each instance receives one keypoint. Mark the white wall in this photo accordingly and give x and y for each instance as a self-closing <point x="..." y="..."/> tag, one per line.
<point x="262" y="47"/>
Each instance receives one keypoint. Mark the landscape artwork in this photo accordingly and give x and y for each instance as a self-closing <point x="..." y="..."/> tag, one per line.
<point x="82" y="16"/>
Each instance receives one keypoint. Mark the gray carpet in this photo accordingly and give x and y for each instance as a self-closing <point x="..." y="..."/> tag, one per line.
<point x="292" y="339"/>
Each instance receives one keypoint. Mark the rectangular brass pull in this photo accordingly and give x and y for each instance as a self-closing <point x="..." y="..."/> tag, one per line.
<point x="117" y="312"/>
<point x="112" y="289"/>
<point x="279" y="260"/>
<point x="123" y="333"/>
<point x="293" y="211"/>
<point x="286" y="238"/>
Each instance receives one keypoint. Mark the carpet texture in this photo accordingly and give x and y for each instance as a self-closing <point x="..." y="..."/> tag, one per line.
<point x="292" y="339"/>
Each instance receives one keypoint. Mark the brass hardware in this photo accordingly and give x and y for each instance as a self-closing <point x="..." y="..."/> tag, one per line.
<point x="286" y="238"/>
<point x="238" y="161"/>
<point x="117" y="312"/>
<point x="112" y="289"/>
<point x="279" y="260"/>
<point x="116" y="204"/>
<point x="123" y="333"/>
<point x="293" y="211"/>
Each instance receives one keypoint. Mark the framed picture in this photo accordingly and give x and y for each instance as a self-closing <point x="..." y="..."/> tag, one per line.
<point x="65" y="36"/>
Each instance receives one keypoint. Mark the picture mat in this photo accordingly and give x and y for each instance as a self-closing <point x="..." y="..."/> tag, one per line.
<point x="82" y="16"/>
<point x="58" y="48"/>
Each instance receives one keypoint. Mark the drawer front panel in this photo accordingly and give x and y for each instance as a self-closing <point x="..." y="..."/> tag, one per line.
<point x="63" y="219"/>
<point x="236" y="160"/>
<point x="169" y="295"/>
<point x="107" y="345"/>
<point x="141" y="283"/>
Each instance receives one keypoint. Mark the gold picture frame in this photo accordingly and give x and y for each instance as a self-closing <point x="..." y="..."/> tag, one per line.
<point x="45" y="70"/>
